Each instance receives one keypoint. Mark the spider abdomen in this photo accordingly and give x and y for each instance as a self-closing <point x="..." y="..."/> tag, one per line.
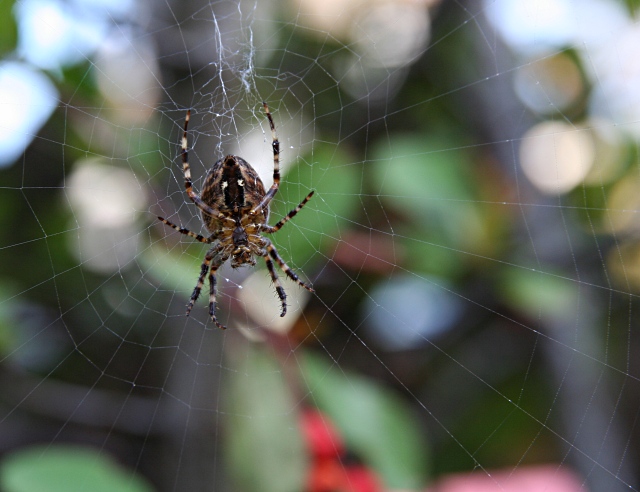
<point x="233" y="187"/>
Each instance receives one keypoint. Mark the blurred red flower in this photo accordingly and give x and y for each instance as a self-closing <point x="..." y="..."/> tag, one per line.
<point x="330" y="471"/>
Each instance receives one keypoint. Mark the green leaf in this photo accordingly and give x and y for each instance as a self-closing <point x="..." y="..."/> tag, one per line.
<point x="8" y="30"/>
<point x="540" y="294"/>
<point x="66" y="468"/>
<point x="375" y="424"/>
<point x="265" y="449"/>
<point x="173" y="267"/>
<point x="430" y="186"/>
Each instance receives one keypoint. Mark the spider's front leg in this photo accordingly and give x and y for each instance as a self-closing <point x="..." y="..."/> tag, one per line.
<point x="187" y="232"/>
<point x="275" y="145"/>
<point x="271" y="229"/>
<point x="186" y="170"/>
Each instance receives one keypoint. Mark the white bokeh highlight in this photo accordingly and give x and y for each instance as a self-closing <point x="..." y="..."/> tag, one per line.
<point x="27" y="99"/>
<point x="556" y="157"/>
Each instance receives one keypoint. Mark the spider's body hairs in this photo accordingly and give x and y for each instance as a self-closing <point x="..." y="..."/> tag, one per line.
<point x="235" y="210"/>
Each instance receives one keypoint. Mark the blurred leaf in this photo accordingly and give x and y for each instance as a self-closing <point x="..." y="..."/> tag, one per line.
<point x="632" y="6"/>
<point x="66" y="468"/>
<point x="8" y="29"/>
<point x="264" y="444"/>
<point x="331" y="209"/>
<point x="430" y="186"/>
<point x="375" y="424"/>
<point x="429" y="256"/>
<point x="539" y="293"/>
<point x="173" y="267"/>
<point x="78" y="80"/>
<point x="10" y="329"/>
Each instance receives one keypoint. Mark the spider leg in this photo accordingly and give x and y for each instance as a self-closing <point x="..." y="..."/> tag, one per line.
<point x="288" y="217"/>
<point x="271" y="250"/>
<point x="276" y="282"/>
<point x="204" y="268"/>
<point x="188" y="184"/>
<point x="276" y="164"/>
<point x="182" y="230"/>
<point x="212" y="294"/>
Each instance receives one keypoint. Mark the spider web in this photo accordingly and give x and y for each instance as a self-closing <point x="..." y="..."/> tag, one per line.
<point x="472" y="243"/>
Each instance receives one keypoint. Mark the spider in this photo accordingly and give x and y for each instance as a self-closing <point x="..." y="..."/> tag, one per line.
<point x="235" y="210"/>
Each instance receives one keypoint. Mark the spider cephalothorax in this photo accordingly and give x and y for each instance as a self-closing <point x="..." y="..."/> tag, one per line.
<point x="235" y="210"/>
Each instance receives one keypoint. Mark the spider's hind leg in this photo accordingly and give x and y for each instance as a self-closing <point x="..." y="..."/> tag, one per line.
<point x="212" y="296"/>
<point x="204" y="268"/>
<point x="207" y="266"/>
<point x="276" y="282"/>
<point x="270" y="252"/>
<point x="271" y="249"/>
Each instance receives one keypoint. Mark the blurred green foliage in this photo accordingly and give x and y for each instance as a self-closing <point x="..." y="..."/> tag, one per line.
<point x="8" y="28"/>
<point x="66" y="468"/>
<point x="265" y="449"/>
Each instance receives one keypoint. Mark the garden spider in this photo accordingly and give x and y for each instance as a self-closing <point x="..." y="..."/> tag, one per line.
<point x="235" y="210"/>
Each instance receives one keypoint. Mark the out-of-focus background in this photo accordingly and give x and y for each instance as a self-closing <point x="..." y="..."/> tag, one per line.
<point x="473" y="244"/>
